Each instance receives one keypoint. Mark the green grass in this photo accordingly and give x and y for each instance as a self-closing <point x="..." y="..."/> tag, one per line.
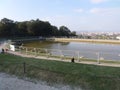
<point x="90" y="77"/>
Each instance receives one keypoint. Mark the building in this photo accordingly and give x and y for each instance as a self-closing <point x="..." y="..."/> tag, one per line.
<point x="118" y="37"/>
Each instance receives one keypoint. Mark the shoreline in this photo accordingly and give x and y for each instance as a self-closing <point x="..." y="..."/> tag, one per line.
<point x="88" y="40"/>
<point x="59" y="39"/>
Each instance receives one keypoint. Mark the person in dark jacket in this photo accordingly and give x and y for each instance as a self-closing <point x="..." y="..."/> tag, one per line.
<point x="72" y="60"/>
<point x="3" y="50"/>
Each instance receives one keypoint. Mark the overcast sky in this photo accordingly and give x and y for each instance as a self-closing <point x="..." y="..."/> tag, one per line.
<point x="77" y="15"/>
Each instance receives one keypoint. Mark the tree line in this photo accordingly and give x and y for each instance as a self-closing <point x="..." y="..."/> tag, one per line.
<point x="11" y="28"/>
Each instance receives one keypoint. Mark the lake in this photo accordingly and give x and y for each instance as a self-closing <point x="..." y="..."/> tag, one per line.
<point x="87" y="50"/>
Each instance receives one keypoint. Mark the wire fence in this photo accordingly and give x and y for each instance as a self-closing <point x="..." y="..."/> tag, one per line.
<point x="33" y="70"/>
<point x="20" y="68"/>
<point x="30" y="71"/>
<point x="69" y="54"/>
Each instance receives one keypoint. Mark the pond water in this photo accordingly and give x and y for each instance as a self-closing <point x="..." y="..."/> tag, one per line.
<point x="8" y="82"/>
<point x="87" y="50"/>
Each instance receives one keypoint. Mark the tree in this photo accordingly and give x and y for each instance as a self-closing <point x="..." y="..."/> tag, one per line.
<point x="7" y="27"/>
<point x="22" y="28"/>
<point x="6" y="21"/>
<point x="64" y="31"/>
<point x="39" y="28"/>
<point x="55" y="31"/>
<point x="73" y="33"/>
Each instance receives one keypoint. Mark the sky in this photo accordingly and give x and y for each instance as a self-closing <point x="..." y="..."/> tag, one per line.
<point x="77" y="15"/>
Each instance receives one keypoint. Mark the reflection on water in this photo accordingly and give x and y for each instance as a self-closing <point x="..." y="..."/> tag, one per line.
<point x="88" y="50"/>
<point x="8" y="82"/>
<point x="46" y="44"/>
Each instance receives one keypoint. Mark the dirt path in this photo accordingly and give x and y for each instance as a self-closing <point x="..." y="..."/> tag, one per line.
<point x="8" y="82"/>
<point x="88" y="40"/>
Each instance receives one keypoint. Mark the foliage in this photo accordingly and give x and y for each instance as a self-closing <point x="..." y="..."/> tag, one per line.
<point x="10" y="28"/>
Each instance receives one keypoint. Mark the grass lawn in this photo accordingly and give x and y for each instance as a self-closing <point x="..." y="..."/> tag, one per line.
<point x="89" y="77"/>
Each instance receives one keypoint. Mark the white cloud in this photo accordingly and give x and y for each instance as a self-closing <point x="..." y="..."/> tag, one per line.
<point x="80" y="10"/>
<point x="97" y="1"/>
<point x="105" y="11"/>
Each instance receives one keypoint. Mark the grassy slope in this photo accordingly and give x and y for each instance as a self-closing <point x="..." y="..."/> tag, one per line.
<point x="87" y="76"/>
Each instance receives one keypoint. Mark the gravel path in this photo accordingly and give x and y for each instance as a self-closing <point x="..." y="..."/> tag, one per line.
<point x="8" y="82"/>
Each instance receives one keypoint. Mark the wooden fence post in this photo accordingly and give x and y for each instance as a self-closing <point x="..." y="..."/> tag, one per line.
<point x="98" y="57"/>
<point x="78" y="56"/>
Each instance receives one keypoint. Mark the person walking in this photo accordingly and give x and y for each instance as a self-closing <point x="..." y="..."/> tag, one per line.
<point x="3" y="50"/>
<point x="73" y="60"/>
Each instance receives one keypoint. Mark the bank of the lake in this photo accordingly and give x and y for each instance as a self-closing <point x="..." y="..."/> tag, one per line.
<point x="87" y="40"/>
<point x="110" y="52"/>
<point x="88" y="77"/>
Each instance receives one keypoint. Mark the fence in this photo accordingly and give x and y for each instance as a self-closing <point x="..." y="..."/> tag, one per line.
<point x="68" y="54"/>
<point x="13" y="67"/>
<point x="21" y="68"/>
<point x="38" y="71"/>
